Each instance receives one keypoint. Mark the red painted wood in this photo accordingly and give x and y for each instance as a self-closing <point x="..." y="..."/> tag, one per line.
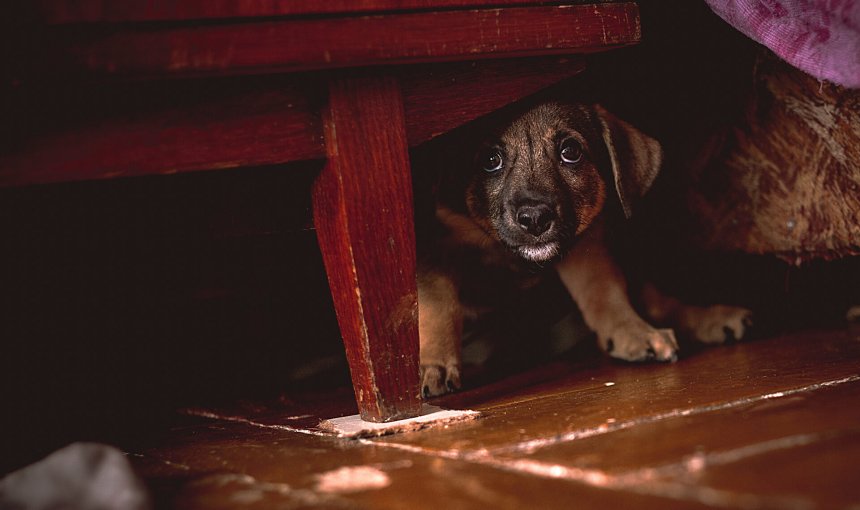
<point x="272" y="123"/>
<point x="442" y="97"/>
<point x="90" y="11"/>
<point x="254" y="128"/>
<point x="363" y="214"/>
<point x="291" y="45"/>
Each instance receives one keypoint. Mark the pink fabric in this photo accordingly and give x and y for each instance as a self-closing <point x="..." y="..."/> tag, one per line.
<point x="820" y="37"/>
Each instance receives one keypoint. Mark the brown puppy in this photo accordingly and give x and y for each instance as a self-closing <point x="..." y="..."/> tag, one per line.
<point x="537" y="198"/>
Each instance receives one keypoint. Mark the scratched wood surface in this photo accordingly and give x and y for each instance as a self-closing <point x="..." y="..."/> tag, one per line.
<point x="363" y="213"/>
<point x="191" y="126"/>
<point x="350" y="41"/>
<point x="771" y="423"/>
<point x="100" y="11"/>
<point x="311" y="471"/>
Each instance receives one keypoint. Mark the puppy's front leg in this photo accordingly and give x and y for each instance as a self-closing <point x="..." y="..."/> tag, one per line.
<point x="440" y="325"/>
<point x="600" y="290"/>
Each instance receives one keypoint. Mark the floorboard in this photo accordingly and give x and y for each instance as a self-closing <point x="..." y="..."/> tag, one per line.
<point x="773" y="423"/>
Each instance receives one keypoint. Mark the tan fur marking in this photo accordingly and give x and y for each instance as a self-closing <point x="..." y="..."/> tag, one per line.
<point x="600" y="290"/>
<point x="440" y="325"/>
<point x="464" y="229"/>
<point x="589" y="212"/>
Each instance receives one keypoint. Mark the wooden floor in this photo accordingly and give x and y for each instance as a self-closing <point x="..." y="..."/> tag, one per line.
<point x="773" y="423"/>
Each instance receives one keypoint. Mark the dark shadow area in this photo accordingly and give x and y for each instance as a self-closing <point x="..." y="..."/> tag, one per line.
<point x="123" y="300"/>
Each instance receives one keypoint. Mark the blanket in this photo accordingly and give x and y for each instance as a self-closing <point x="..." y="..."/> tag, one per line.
<point x="820" y="37"/>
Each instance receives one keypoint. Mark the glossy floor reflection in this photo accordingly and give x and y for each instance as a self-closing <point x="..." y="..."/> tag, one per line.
<point x="773" y="423"/>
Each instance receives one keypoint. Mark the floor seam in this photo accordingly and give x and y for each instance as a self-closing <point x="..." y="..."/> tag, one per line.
<point x="671" y="489"/>
<point x="643" y="481"/>
<point x="202" y="413"/>
<point x="533" y="445"/>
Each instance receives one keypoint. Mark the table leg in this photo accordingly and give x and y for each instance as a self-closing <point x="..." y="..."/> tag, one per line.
<point x="364" y="218"/>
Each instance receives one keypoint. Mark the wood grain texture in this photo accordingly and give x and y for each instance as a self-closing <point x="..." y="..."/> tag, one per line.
<point x="266" y="462"/>
<point x="791" y="441"/>
<point x="266" y="124"/>
<point x="181" y="134"/>
<point x="316" y="43"/>
<point x="363" y="214"/>
<point x="627" y="393"/>
<point x="765" y="424"/>
<point x="439" y="98"/>
<point x="100" y="11"/>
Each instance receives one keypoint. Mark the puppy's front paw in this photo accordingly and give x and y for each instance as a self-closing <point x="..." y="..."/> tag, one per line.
<point x="641" y="342"/>
<point x="717" y="324"/>
<point x="439" y="379"/>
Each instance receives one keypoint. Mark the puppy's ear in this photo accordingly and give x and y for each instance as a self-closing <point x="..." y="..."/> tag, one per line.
<point x="635" y="158"/>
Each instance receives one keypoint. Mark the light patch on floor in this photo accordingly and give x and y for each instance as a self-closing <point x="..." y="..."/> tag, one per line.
<point x="352" y="479"/>
<point x="431" y="416"/>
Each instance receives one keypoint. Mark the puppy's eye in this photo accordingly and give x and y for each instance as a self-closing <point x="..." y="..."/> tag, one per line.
<point x="491" y="160"/>
<point x="571" y="151"/>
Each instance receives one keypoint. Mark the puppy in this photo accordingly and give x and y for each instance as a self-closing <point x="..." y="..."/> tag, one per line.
<point x="536" y="203"/>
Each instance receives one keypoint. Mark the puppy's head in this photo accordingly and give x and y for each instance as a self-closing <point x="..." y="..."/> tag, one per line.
<point x="543" y="180"/>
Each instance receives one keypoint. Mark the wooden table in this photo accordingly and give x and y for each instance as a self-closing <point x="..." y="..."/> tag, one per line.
<point x="363" y="82"/>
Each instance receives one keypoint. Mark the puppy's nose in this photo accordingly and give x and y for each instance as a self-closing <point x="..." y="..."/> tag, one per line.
<point x="535" y="219"/>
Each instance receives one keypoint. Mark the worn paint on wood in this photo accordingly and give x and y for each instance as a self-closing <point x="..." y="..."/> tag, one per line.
<point x="272" y="122"/>
<point x="439" y="98"/>
<point x="363" y="213"/>
<point x="317" y="43"/>
<point x="164" y="133"/>
<point x="100" y="11"/>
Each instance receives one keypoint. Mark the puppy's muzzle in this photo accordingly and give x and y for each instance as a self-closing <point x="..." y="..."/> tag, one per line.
<point x="535" y="218"/>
